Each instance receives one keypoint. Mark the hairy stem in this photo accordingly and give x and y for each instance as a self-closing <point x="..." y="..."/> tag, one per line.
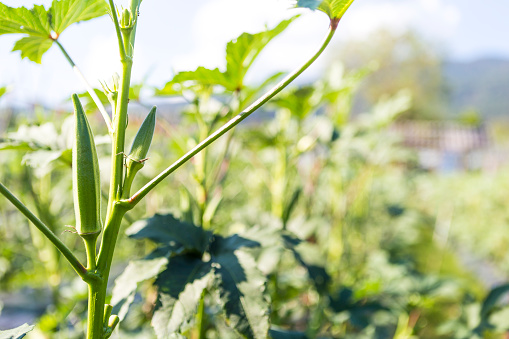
<point x="66" y="252"/>
<point x="136" y="198"/>
<point x="89" y="88"/>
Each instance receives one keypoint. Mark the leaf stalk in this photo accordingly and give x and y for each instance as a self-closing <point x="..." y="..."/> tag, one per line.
<point x="138" y="196"/>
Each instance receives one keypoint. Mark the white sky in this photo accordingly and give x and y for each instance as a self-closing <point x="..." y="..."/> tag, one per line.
<point x="175" y="36"/>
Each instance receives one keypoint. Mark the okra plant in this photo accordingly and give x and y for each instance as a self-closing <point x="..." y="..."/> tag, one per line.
<point x="213" y="256"/>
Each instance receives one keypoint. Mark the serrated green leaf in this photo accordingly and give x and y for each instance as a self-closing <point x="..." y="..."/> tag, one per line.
<point x="335" y="9"/>
<point x="16" y="333"/>
<point x="243" y="51"/>
<point x="241" y="287"/>
<point x="43" y="26"/>
<point x="201" y="76"/>
<point x="136" y="272"/>
<point x="228" y="245"/>
<point x="275" y="241"/>
<point x="169" y="231"/>
<point x="34" y="22"/>
<point x="180" y="288"/>
<point x="33" y="47"/>
<point x="240" y="55"/>
<point x="67" y="12"/>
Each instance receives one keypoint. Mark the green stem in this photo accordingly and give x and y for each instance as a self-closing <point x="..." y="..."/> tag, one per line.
<point x="89" y="88"/>
<point x="90" y="247"/>
<point x="136" y="198"/>
<point x="96" y="299"/>
<point x="117" y="29"/>
<point x="97" y="293"/>
<point x="120" y="124"/>
<point x="115" y="212"/>
<point x="66" y="252"/>
<point x="200" y="317"/>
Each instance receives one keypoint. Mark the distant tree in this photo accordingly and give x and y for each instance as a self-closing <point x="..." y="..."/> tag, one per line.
<point x="401" y="61"/>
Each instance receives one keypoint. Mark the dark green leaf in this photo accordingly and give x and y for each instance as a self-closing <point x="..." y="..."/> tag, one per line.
<point x="126" y="284"/>
<point x="309" y="256"/>
<point x="492" y="299"/>
<point x="241" y="288"/>
<point x="361" y="312"/>
<point x="228" y="245"/>
<point x="16" y="333"/>
<point x="167" y="230"/>
<point x="281" y="334"/>
<point x="180" y="289"/>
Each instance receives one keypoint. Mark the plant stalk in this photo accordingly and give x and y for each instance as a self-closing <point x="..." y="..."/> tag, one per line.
<point x="89" y="88"/>
<point x="66" y="252"/>
<point x="200" y="317"/>
<point x="114" y="17"/>
<point x="96" y="299"/>
<point x="138" y="196"/>
<point x="115" y="211"/>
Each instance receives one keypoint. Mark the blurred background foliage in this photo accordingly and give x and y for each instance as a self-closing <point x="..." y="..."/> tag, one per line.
<point x="356" y="237"/>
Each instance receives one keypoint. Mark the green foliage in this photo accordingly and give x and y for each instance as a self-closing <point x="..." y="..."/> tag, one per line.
<point x="199" y="262"/>
<point x="335" y="9"/>
<point x="43" y="145"/>
<point x="240" y="56"/>
<point x="42" y="26"/>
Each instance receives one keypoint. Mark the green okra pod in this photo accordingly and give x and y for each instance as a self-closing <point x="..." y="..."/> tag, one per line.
<point x="139" y="149"/>
<point x="85" y="176"/>
<point x="142" y="141"/>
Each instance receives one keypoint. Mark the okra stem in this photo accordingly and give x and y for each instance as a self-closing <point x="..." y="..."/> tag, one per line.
<point x="66" y="252"/>
<point x="114" y="17"/>
<point x="89" y="88"/>
<point x="136" y="198"/>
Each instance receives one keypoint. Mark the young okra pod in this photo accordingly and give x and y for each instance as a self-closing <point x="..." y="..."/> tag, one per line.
<point x="139" y="149"/>
<point x="141" y="143"/>
<point x="85" y="176"/>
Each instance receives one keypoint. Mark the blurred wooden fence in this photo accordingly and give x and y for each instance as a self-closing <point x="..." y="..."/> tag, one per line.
<point x="448" y="146"/>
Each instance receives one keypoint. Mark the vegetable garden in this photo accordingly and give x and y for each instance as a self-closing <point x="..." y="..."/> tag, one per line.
<point x="304" y="223"/>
